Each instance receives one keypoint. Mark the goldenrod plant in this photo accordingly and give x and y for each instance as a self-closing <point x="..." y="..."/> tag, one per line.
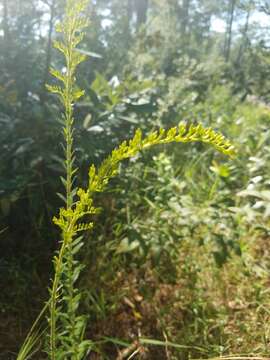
<point x="66" y="328"/>
<point x="66" y="324"/>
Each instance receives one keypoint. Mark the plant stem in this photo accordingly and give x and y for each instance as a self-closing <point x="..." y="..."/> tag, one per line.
<point x="68" y="131"/>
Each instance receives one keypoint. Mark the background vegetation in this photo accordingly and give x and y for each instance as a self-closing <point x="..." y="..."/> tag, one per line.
<point x="180" y="253"/>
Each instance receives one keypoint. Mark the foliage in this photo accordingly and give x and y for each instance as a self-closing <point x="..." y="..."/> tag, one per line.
<point x="169" y="215"/>
<point x="66" y="327"/>
<point x="152" y="63"/>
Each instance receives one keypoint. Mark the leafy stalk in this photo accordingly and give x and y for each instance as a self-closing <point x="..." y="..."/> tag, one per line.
<point x="63" y="288"/>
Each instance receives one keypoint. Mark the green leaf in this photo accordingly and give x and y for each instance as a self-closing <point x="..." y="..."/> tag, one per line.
<point x="89" y="53"/>
<point x="154" y="342"/>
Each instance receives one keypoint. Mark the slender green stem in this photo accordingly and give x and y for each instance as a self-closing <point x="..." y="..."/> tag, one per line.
<point x="67" y="237"/>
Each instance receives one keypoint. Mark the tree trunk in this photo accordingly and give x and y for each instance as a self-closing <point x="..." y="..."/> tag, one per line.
<point x="244" y="43"/>
<point x="141" y="7"/>
<point x="185" y="21"/>
<point x="6" y="34"/>
<point x="129" y="12"/>
<point x="49" y="50"/>
<point x="229" y="31"/>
